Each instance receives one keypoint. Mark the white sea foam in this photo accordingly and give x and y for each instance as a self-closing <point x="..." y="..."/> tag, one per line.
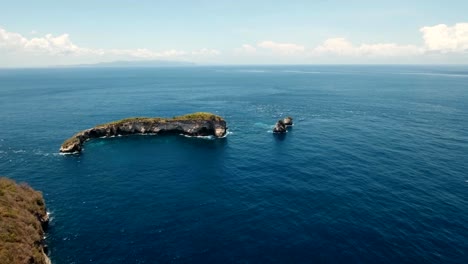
<point x="68" y="153"/>
<point x="39" y="152"/>
<point x="202" y="137"/>
<point x="208" y="137"/>
<point x="227" y="133"/>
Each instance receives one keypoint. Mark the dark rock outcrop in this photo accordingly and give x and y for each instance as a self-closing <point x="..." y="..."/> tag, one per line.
<point x="197" y="124"/>
<point x="23" y="220"/>
<point x="288" y="121"/>
<point x="280" y="127"/>
<point x="282" y="124"/>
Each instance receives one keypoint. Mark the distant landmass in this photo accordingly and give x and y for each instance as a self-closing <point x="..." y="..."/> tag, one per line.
<point x="143" y="63"/>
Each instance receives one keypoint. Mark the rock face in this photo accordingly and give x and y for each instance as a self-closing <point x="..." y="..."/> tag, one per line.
<point x="282" y="124"/>
<point x="288" y="121"/>
<point x="197" y="124"/>
<point x="23" y="220"/>
<point x="280" y="127"/>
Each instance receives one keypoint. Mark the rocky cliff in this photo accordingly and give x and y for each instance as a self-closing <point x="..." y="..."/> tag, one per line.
<point x="196" y="124"/>
<point x="23" y="219"/>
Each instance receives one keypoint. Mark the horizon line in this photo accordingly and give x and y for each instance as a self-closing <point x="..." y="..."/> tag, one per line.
<point x="195" y="65"/>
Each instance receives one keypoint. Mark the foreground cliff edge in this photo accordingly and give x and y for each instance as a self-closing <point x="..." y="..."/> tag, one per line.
<point x="23" y="219"/>
<point x="196" y="124"/>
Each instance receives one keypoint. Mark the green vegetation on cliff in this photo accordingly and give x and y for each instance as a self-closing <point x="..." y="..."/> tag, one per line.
<point x="194" y="116"/>
<point x="199" y="116"/>
<point x="22" y="214"/>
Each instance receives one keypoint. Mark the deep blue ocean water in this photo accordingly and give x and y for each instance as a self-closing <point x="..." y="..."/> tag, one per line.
<point x="375" y="169"/>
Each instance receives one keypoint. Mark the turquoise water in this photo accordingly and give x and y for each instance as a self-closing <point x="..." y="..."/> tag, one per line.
<point x="374" y="170"/>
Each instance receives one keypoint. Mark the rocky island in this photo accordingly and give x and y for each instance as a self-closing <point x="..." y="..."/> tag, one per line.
<point x="23" y="219"/>
<point x="196" y="124"/>
<point x="282" y="125"/>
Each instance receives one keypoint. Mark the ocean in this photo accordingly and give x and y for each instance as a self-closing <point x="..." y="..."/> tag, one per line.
<point x="374" y="170"/>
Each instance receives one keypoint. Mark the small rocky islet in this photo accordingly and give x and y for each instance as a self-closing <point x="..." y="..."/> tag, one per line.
<point x="196" y="124"/>
<point x="282" y="125"/>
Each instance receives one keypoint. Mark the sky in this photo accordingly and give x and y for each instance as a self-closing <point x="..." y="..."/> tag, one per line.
<point x="49" y="33"/>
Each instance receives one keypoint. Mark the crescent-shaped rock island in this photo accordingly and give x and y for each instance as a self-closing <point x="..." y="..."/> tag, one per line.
<point x="196" y="124"/>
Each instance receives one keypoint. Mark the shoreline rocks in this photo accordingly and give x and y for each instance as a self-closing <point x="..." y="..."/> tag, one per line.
<point x="196" y="124"/>
<point x="23" y="221"/>
<point x="282" y="125"/>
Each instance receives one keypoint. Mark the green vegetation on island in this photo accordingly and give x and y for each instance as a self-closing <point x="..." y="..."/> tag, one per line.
<point x="195" y="124"/>
<point x="193" y="116"/>
<point x="23" y="217"/>
<point x="198" y="116"/>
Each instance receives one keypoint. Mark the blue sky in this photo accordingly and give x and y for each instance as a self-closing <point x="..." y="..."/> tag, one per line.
<point x="233" y="32"/>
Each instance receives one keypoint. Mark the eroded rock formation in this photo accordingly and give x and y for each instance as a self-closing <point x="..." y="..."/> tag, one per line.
<point x="197" y="124"/>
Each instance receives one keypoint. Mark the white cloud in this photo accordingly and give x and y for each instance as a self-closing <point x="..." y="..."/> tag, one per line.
<point x="439" y="38"/>
<point x="248" y="48"/>
<point x="281" y="48"/>
<point x="206" y="52"/>
<point x="11" y="41"/>
<point x="142" y="53"/>
<point x="444" y="39"/>
<point x="389" y="50"/>
<point x="343" y="47"/>
<point x="63" y="46"/>
<point x="245" y="49"/>
<point x="60" y="45"/>
<point x="338" y="46"/>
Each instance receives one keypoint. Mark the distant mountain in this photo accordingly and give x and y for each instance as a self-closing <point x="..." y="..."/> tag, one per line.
<point x="144" y="63"/>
